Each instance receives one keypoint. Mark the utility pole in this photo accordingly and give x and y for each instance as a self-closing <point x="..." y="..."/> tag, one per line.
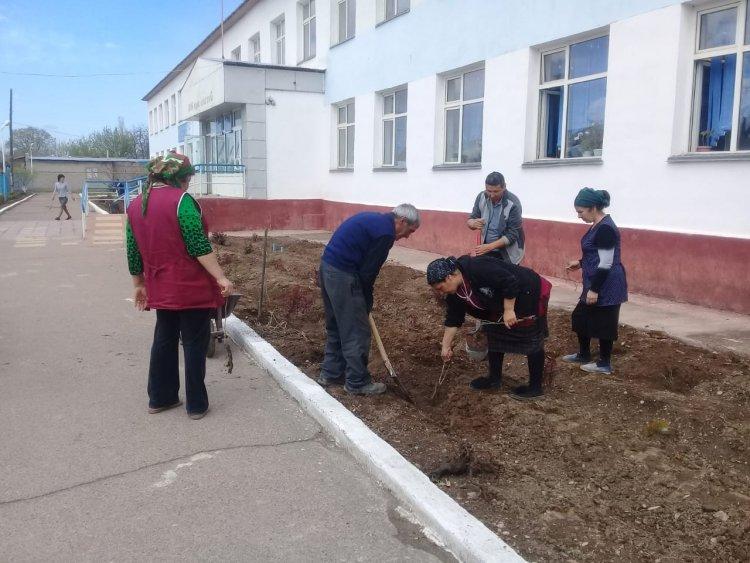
<point x="11" y="139"/>
<point x="222" y="30"/>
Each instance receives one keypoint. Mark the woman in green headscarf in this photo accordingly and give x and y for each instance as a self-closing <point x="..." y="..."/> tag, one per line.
<point x="175" y="272"/>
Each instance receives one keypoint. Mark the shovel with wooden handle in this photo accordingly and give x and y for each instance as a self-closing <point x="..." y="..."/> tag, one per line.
<point x="387" y="362"/>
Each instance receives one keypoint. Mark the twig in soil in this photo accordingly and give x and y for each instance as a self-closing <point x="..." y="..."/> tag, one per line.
<point x="263" y="275"/>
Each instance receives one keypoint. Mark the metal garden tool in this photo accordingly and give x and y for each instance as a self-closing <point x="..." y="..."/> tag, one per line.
<point x="439" y="382"/>
<point x="387" y="362"/>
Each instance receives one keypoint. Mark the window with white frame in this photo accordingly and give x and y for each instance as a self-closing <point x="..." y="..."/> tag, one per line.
<point x="161" y="117"/>
<point x="166" y="114"/>
<point x="173" y="110"/>
<point x="344" y="20"/>
<point x="236" y="54"/>
<point x="721" y="91"/>
<point x="308" y="29"/>
<point x="344" y="134"/>
<point x="151" y="122"/>
<point x="572" y="95"/>
<point x="254" y="45"/>
<point x="223" y="139"/>
<point x="389" y="9"/>
<point x="393" y="128"/>
<point x="278" y="32"/>
<point x="463" y="112"/>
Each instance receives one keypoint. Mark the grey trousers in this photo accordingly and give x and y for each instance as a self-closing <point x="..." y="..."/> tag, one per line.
<point x="347" y="327"/>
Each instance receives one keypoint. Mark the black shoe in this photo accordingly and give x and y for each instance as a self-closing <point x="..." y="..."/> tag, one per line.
<point x="327" y="381"/>
<point x="485" y="384"/>
<point x="526" y="393"/>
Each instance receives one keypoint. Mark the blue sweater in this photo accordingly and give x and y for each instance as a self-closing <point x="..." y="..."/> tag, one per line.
<point x="360" y="246"/>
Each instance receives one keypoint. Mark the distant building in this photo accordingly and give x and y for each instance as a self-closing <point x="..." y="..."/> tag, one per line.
<point x="317" y="109"/>
<point x="77" y="170"/>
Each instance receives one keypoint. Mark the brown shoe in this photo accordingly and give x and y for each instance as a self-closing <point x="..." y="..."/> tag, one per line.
<point x="154" y="410"/>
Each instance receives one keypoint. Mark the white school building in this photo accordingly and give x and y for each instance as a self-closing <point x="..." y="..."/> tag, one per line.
<point x="306" y="111"/>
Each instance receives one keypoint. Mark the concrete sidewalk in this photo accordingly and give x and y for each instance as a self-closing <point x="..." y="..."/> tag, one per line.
<point x="89" y="475"/>
<point x="700" y="326"/>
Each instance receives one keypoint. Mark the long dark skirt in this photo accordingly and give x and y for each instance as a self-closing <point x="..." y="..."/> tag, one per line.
<point x="593" y="321"/>
<point x="522" y="340"/>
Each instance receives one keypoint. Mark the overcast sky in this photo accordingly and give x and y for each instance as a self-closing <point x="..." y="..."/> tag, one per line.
<point x="138" y="39"/>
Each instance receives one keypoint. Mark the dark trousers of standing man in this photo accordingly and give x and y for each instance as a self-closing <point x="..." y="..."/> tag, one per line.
<point x="347" y="327"/>
<point x="164" y="370"/>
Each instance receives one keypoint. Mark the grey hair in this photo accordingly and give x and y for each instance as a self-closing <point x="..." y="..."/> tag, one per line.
<point x="408" y="212"/>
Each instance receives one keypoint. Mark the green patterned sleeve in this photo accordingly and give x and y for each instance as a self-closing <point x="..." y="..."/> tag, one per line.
<point x="135" y="262"/>
<point x="189" y="217"/>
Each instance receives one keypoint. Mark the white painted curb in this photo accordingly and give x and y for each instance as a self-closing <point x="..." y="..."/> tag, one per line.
<point x="97" y="209"/>
<point x="12" y="205"/>
<point x="462" y="534"/>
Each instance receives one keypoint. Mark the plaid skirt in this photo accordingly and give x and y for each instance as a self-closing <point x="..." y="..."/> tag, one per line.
<point x="522" y="340"/>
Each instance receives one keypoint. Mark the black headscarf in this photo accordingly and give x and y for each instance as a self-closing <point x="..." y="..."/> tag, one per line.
<point x="439" y="269"/>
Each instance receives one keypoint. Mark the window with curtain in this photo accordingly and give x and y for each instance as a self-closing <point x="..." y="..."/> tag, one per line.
<point x="572" y="95"/>
<point x="308" y="30"/>
<point x="721" y="118"/>
<point x="463" y="116"/>
<point x="345" y="135"/>
<point x="394" y="128"/>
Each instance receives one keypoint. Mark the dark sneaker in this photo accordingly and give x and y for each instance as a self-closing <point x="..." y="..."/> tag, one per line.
<point x="597" y="367"/>
<point x="154" y="410"/>
<point x="526" y="393"/>
<point x="328" y="381"/>
<point x="576" y="359"/>
<point x="485" y="384"/>
<point x="197" y="415"/>
<point x="374" y="388"/>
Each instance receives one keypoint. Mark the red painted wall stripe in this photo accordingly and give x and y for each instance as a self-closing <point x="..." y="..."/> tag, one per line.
<point x="704" y="270"/>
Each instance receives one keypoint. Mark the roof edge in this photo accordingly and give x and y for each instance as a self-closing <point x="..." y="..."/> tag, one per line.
<point x="241" y="10"/>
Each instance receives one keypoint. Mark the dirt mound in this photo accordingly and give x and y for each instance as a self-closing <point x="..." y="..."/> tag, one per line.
<point x="651" y="463"/>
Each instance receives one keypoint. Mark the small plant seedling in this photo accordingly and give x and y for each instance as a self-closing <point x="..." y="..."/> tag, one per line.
<point x="219" y="238"/>
<point x="656" y="426"/>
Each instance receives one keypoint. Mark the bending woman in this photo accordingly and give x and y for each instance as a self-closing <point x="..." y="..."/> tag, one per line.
<point x="514" y="301"/>
<point x="605" y="286"/>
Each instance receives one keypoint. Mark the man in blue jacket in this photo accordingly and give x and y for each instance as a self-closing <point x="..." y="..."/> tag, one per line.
<point x="350" y="263"/>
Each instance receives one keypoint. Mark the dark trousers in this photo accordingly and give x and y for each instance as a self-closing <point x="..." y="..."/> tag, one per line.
<point x="535" y="362"/>
<point x="347" y="327"/>
<point x="164" y="370"/>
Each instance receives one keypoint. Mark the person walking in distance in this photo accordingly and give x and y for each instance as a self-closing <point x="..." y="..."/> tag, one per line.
<point x="62" y="191"/>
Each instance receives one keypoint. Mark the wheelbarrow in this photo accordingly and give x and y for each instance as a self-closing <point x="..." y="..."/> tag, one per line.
<point x="217" y="322"/>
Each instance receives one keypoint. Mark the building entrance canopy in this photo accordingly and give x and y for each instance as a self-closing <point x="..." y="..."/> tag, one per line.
<point x="214" y="87"/>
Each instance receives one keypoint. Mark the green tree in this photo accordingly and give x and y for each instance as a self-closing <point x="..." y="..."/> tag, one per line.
<point x="32" y="140"/>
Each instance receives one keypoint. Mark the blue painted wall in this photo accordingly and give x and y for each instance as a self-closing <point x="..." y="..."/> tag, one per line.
<point x="440" y="35"/>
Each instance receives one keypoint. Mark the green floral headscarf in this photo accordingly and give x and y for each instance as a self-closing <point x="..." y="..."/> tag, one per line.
<point x="171" y="169"/>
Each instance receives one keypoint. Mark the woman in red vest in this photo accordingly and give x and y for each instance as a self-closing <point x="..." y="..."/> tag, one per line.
<point x="175" y="272"/>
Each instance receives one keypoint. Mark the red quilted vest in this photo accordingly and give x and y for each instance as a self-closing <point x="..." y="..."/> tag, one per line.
<point x="174" y="279"/>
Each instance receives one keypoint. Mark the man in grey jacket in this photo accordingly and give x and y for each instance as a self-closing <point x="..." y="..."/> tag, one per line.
<point x="497" y="215"/>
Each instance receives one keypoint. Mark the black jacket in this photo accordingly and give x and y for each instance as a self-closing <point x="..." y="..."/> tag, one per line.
<point x="492" y="280"/>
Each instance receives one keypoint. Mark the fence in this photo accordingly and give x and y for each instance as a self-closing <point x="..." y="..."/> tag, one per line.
<point x="4" y="187"/>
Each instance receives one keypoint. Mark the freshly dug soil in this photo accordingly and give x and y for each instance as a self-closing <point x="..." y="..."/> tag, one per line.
<point x="649" y="464"/>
